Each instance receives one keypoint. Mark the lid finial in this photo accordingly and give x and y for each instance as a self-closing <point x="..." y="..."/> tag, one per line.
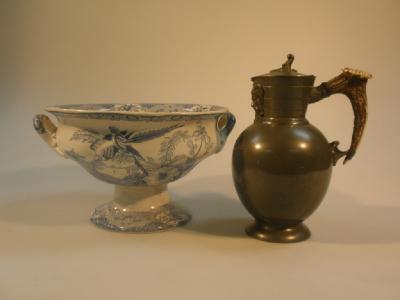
<point x="287" y="66"/>
<point x="285" y="75"/>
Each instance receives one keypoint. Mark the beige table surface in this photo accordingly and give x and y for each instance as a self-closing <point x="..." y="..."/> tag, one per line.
<point x="49" y="249"/>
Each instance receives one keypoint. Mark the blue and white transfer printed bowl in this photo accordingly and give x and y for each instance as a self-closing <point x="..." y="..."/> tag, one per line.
<point x="139" y="148"/>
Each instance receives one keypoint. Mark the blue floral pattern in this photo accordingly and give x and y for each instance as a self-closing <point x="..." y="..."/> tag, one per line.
<point x="116" y="150"/>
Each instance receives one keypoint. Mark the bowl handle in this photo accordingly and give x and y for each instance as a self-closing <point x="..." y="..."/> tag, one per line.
<point x="47" y="131"/>
<point x="225" y="124"/>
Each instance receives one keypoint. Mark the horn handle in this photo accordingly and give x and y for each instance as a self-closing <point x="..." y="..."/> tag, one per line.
<point x="352" y="83"/>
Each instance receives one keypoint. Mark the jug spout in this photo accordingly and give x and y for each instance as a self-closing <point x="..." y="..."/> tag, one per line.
<point x="281" y="93"/>
<point x="280" y="101"/>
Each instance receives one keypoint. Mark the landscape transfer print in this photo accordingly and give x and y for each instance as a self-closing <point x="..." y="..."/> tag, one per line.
<point x="115" y="152"/>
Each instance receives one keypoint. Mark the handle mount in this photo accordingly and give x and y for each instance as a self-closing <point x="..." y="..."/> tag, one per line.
<point x="225" y="124"/>
<point x="47" y="131"/>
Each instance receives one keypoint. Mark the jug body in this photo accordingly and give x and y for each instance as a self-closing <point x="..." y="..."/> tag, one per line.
<point x="281" y="171"/>
<point x="282" y="164"/>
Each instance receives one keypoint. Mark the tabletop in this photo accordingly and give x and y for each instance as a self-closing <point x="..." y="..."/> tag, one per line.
<point x="50" y="250"/>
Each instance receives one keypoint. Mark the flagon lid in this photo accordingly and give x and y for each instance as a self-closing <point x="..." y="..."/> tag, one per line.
<point x="285" y="76"/>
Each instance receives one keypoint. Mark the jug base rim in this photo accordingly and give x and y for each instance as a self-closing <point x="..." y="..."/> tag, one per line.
<point x="271" y="234"/>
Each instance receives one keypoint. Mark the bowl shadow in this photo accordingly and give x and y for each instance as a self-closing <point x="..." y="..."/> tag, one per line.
<point x="215" y="214"/>
<point x="66" y="196"/>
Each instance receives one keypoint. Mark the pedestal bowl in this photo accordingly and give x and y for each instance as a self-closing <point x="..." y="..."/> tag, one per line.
<point x="139" y="148"/>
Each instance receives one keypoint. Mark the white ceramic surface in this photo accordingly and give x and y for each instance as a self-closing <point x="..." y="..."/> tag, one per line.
<point x="140" y="148"/>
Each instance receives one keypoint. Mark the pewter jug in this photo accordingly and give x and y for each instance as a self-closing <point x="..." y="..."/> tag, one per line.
<point x="282" y="164"/>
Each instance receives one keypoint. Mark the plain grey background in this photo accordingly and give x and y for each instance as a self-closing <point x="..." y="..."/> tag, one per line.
<point x="55" y="52"/>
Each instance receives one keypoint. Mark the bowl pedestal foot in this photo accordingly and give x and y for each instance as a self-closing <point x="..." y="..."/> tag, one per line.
<point x="140" y="209"/>
<point x="268" y="233"/>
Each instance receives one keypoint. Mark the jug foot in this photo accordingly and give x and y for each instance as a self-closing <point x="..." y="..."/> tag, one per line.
<point x="165" y="217"/>
<point x="278" y="235"/>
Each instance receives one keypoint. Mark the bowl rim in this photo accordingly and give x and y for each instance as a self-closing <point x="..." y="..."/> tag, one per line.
<point x="77" y="109"/>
